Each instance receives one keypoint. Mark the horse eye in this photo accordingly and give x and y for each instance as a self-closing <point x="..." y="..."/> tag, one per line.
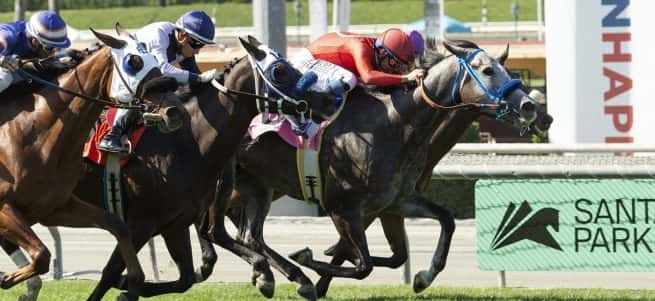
<point x="488" y="71"/>
<point x="135" y="62"/>
<point x="280" y="71"/>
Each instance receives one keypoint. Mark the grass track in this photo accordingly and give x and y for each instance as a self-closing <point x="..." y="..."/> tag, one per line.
<point x="79" y="290"/>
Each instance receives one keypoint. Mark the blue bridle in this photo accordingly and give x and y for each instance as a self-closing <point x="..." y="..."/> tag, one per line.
<point x="496" y="97"/>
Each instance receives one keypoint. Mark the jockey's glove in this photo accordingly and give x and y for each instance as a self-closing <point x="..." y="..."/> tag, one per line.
<point x="208" y="75"/>
<point x="414" y="75"/>
<point x="10" y="62"/>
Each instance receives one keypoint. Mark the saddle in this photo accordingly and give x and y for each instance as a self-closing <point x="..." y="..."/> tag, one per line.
<point x="91" y="151"/>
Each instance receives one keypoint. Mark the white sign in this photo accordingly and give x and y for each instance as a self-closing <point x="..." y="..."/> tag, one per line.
<point x="600" y="70"/>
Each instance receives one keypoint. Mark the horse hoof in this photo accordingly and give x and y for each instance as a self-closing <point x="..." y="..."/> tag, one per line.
<point x="330" y="251"/>
<point x="421" y="281"/>
<point x="263" y="280"/>
<point x="322" y="287"/>
<point x="266" y="288"/>
<point x="24" y="298"/>
<point x="307" y="291"/>
<point x="201" y="275"/>
<point x="302" y="257"/>
<point x="124" y="297"/>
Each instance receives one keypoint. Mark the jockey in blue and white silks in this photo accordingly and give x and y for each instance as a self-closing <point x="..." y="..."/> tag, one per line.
<point x="171" y="44"/>
<point x="39" y="37"/>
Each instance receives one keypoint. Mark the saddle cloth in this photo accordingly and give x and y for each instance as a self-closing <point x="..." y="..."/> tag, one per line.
<point x="285" y="131"/>
<point x="91" y="150"/>
<point x="307" y="151"/>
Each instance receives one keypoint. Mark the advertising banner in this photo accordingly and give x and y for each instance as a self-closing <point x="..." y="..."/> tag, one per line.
<point x="565" y="225"/>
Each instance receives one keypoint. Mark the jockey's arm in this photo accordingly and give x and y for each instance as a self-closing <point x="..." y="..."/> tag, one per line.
<point x="167" y="69"/>
<point x="368" y="74"/>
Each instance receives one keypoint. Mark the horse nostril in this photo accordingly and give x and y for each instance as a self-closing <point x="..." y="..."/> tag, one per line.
<point x="174" y="113"/>
<point x="528" y="106"/>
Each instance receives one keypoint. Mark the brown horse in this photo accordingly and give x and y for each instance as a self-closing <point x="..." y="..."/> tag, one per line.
<point x="171" y="179"/>
<point x="373" y="157"/>
<point x="42" y="136"/>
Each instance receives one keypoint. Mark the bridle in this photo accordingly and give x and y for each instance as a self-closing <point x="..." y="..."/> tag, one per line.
<point x="496" y="98"/>
<point x="115" y="104"/>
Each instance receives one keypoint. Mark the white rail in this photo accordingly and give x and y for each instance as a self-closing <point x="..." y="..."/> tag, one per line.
<point x="473" y="161"/>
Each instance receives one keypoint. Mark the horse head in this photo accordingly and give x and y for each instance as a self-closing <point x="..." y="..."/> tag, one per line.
<point x="286" y="84"/>
<point x="483" y="81"/>
<point x="137" y="79"/>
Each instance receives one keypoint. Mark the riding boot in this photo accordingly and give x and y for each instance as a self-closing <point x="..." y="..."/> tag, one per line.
<point x="112" y="142"/>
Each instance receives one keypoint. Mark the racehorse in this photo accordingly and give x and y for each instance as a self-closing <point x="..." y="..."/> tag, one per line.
<point x="373" y="156"/>
<point x="171" y="179"/>
<point x="43" y="134"/>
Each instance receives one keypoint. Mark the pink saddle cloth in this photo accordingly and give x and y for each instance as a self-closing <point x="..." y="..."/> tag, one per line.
<point x="284" y="130"/>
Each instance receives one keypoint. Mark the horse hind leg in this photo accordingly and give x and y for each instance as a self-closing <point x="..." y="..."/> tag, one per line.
<point x="394" y="231"/>
<point x="20" y="259"/>
<point x="76" y="213"/>
<point x="16" y="230"/>
<point x="255" y="205"/>
<point x="351" y="229"/>
<point x="422" y="207"/>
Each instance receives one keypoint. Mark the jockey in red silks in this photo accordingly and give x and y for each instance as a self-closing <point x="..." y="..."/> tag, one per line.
<point x="341" y="59"/>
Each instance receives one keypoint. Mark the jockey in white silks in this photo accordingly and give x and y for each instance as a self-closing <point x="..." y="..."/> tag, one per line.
<point x="171" y="44"/>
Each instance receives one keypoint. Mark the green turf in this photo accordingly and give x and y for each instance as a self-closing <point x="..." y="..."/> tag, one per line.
<point x="240" y="14"/>
<point x="79" y="290"/>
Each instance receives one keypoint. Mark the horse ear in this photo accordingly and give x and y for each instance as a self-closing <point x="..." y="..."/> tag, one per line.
<point x="109" y="40"/>
<point x="254" y="41"/>
<point x="257" y="53"/>
<point x="503" y="56"/>
<point x="122" y="32"/>
<point x="456" y="50"/>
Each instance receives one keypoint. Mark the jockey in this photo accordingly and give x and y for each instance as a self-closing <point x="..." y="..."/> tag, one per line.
<point x="171" y="44"/>
<point x="341" y="58"/>
<point x="37" y="38"/>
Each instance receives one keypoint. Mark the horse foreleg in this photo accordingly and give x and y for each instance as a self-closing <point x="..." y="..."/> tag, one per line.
<point x="209" y="256"/>
<point x="421" y="207"/>
<point x="219" y="235"/>
<point x="255" y="204"/>
<point x="20" y="260"/>
<point x="16" y="229"/>
<point x="351" y="229"/>
<point x="79" y="214"/>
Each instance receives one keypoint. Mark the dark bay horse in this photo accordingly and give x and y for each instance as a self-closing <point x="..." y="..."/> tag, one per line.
<point x="372" y="158"/>
<point x="42" y="136"/>
<point x="170" y="181"/>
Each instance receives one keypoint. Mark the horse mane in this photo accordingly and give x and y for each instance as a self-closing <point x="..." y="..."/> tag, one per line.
<point x="47" y="70"/>
<point x="186" y="92"/>
<point x="464" y="44"/>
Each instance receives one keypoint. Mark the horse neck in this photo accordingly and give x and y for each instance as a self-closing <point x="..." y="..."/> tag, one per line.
<point x="70" y="117"/>
<point x="220" y="121"/>
<point x="437" y="85"/>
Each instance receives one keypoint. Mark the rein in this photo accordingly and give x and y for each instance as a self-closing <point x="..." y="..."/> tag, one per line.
<point x="433" y="104"/>
<point x="110" y="103"/>
<point x="496" y="97"/>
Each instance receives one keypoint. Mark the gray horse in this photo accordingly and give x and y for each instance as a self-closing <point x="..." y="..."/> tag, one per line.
<point x="372" y="158"/>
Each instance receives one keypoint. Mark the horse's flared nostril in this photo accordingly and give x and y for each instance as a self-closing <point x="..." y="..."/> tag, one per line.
<point x="172" y="119"/>
<point x="528" y="106"/>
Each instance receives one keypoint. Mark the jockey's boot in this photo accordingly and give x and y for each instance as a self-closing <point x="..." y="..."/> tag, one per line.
<point x="112" y="142"/>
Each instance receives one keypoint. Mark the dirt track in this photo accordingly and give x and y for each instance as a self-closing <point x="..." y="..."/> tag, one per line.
<point x="89" y="249"/>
